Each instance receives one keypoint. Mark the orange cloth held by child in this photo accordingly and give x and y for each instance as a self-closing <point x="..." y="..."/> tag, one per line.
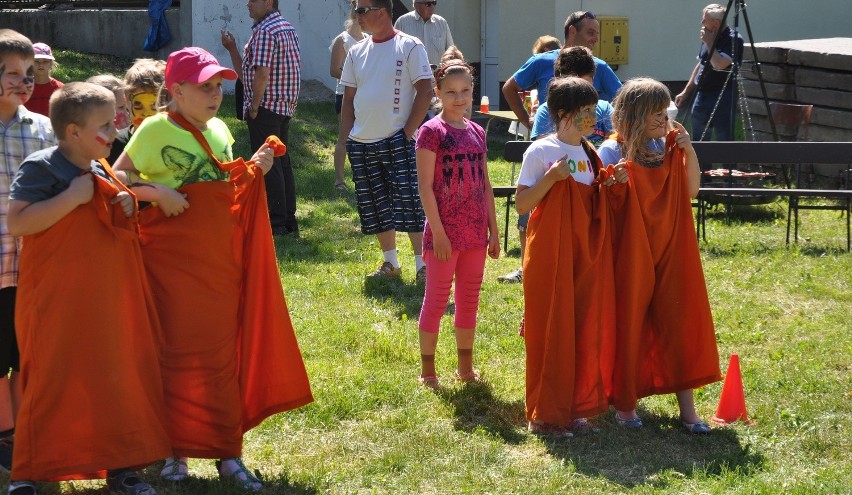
<point x="230" y="357"/>
<point x="568" y="286"/>
<point x="665" y="340"/>
<point x="278" y="147"/>
<point x="88" y="334"/>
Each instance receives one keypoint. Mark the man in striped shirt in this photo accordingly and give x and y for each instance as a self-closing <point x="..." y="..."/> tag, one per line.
<point x="270" y="69"/>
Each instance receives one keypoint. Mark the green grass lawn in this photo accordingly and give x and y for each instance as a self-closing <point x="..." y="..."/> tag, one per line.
<point x="373" y="429"/>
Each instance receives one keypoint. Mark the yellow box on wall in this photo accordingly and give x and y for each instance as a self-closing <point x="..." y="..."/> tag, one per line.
<point x="612" y="46"/>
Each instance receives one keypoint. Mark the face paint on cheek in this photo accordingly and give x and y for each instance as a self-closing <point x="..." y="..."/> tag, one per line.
<point x="142" y="106"/>
<point x="102" y="138"/>
<point x="122" y="120"/>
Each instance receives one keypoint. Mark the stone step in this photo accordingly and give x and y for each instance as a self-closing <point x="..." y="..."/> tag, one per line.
<point x="773" y="73"/>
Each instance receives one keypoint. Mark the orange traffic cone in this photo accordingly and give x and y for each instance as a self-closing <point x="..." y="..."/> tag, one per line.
<point x="732" y="402"/>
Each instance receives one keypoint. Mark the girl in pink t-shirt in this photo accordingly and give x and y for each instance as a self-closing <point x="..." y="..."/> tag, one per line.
<point x="461" y="224"/>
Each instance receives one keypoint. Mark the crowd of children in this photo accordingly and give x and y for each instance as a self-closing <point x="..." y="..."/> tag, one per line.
<point x="206" y="349"/>
<point x="191" y="344"/>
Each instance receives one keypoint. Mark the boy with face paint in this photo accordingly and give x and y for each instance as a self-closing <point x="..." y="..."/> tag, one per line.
<point x="143" y="81"/>
<point x="22" y="132"/>
<point x="65" y="195"/>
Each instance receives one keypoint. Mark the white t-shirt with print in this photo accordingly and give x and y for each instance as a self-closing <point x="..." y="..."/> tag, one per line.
<point x="544" y="152"/>
<point x="384" y="75"/>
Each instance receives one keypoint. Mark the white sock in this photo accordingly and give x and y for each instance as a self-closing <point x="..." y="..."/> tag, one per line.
<point x="392" y="257"/>
<point x="418" y="262"/>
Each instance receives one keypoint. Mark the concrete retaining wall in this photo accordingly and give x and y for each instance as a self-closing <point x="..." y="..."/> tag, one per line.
<point x="111" y="32"/>
<point x="811" y="72"/>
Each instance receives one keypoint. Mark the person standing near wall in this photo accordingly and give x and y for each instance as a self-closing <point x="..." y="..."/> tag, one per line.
<point x="339" y="47"/>
<point x="716" y="90"/>
<point x="270" y="69"/>
<point x="427" y="26"/>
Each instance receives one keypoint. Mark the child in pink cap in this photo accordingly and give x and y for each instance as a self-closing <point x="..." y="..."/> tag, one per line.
<point x="183" y="161"/>
<point x="45" y="85"/>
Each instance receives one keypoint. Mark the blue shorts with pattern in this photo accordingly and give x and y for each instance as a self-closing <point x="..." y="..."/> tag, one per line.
<point x="385" y="177"/>
<point x="522" y="221"/>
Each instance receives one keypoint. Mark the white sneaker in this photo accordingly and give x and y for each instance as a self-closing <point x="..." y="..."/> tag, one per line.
<point x="512" y="277"/>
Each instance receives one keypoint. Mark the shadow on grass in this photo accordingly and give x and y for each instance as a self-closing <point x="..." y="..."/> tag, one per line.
<point x="407" y="294"/>
<point x="660" y="449"/>
<point x="278" y="485"/>
<point x="820" y="251"/>
<point x="281" y="484"/>
<point x="475" y="407"/>
<point x="744" y="213"/>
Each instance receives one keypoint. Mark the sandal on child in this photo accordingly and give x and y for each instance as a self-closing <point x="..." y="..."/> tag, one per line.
<point x="21" y="488"/>
<point x="242" y="476"/>
<point x="128" y="482"/>
<point x="430" y="381"/>
<point x="631" y="424"/>
<point x="548" y="430"/>
<point x="469" y="377"/>
<point x="175" y="469"/>
<point x="699" y="428"/>
<point x="581" y="426"/>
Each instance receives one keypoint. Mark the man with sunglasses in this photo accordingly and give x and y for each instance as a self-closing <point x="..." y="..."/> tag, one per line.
<point x="427" y="26"/>
<point x="581" y="29"/>
<point x="387" y="90"/>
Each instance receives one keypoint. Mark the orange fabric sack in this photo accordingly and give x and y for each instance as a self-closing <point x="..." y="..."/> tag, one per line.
<point x="567" y="287"/>
<point x="88" y="335"/>
<point x="665" y="340"/>
<point x="230" y="356"/>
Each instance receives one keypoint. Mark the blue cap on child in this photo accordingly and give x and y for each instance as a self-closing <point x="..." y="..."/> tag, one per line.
<point x="194" y="65"/>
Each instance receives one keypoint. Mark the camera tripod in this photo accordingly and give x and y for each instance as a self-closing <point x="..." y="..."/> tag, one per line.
<point x="732" y="77"/>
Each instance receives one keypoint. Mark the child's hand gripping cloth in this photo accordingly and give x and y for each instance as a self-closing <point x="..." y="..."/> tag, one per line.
<point x="230" y="357"/>
<point x="665" y="341"/>
<point x="568" y="292"/>
<point x="89" y="336"/>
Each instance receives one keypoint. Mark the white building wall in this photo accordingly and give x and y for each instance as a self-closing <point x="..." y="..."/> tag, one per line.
<point x="663" y="33"/>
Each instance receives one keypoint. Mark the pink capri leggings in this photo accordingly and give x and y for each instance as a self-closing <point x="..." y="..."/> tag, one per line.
<point x="467" y="266"/>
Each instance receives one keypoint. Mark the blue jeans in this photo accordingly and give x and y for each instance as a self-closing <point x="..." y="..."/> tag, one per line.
<point x="723" y="121"/>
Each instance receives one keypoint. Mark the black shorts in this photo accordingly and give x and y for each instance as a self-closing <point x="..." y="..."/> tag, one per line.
<point x="9" y="357"/>
<point x="338" y="103"/>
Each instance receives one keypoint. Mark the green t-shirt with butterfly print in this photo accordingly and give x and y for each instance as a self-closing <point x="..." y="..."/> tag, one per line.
<point x="168" y="154"/>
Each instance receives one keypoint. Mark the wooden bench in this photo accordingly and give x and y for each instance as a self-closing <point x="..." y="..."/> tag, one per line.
<point x="836" y="155"/>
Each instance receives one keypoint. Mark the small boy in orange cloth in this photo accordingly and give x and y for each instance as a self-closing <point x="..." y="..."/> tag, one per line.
<point x="87" y="329"/>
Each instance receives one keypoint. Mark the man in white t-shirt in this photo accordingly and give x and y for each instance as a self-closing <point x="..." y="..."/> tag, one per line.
<point x="427" y="26"/>
<point x="388" y="88"/>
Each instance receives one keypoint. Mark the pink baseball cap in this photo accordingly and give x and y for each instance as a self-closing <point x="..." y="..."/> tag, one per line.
<point x="42" y="51"/>
<point x="195" y="65"/>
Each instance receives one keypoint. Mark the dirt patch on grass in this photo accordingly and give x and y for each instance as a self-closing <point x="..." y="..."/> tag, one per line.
<point x="314" y="90"/>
